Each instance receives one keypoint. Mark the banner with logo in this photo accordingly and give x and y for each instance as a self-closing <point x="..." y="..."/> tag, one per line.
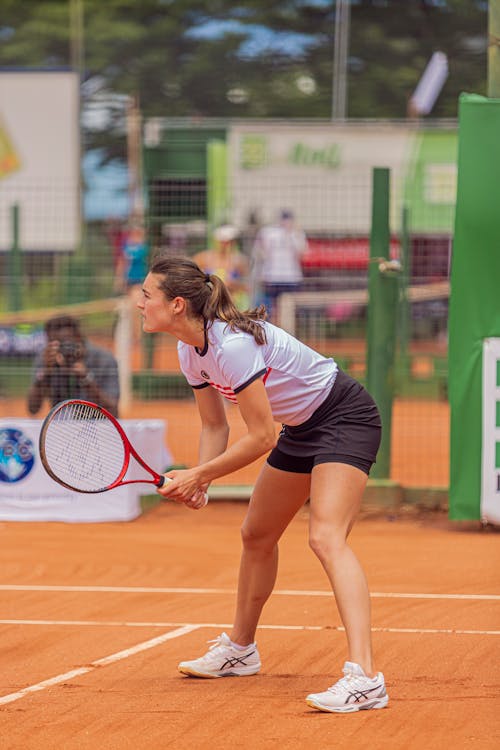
<point x="27" y="493"/>
<point x="490" y="477"/>
<point x="474" y="323"/>
<point x="323" y="172"/>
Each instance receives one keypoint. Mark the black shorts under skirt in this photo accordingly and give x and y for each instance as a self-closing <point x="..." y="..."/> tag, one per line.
<point x="346" y="428"/>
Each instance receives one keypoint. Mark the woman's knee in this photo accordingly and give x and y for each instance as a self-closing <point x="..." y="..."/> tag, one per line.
<point x="255" y="539"/>
<point x="325" y="542"/>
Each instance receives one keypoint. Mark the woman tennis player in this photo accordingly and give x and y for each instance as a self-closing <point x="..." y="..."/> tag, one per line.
<point x="329" y="440"/>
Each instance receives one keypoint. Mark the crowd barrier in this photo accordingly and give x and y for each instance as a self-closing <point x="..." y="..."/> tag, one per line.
<point x="27" y="493"/>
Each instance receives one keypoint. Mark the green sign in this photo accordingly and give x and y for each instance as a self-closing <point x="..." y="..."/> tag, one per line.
<point x="474" y="327"/>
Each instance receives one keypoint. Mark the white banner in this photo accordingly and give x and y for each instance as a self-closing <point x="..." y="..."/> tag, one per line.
<point x="490" y="474"/>
<point x="40" y="159"/>
<point x="27" y="493"/>
<point x="321" y="172"/>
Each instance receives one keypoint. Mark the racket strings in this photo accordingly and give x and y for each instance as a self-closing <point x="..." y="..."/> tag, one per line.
<point x="84" y="448"/>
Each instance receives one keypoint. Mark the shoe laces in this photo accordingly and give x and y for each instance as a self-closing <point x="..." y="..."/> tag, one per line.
<point x="350" y="681"/>
<point x="219" y="641"/>
<point x="219" y="644"/>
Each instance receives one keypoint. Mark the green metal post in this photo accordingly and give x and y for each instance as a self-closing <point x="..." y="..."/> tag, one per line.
<point x="494" y="49"/>
<point x="404" y="305"/>
<point x="148" y="340"/>
<point x="383" y="286"/>
<point x="217" y="186"/>
<point x="15" y="266"/>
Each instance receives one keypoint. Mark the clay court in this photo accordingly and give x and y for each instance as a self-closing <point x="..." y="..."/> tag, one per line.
<point x="96" y="617"/>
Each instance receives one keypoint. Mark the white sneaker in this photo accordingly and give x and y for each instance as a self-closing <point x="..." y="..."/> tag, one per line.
<point x="353" y="692"/>
<point x="223" y="660"/>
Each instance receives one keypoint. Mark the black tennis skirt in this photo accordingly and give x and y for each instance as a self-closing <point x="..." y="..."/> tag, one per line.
<point x="346" y="428"/>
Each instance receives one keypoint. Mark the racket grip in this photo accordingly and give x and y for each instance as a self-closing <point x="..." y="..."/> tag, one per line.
<point x="162" y="480"/>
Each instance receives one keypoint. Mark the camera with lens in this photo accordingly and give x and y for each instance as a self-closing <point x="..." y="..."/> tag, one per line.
<point x="72" y="352"/>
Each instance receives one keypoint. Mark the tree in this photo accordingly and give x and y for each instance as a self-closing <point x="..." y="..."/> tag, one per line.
<point x="209" y="58"/>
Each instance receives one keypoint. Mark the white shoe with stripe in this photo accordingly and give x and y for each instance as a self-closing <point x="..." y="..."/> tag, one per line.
<point x="223" y="659"/>
<point x="353" y="692"/>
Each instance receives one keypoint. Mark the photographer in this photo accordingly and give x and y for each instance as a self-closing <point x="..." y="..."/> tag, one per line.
<point x="71" y="367"/>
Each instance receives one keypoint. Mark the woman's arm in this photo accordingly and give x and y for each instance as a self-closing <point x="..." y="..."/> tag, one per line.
<point x="260" y="439"/>
<point x="214" y="427"/>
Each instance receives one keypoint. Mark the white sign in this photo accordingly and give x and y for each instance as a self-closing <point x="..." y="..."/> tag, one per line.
<point x="490" y="475"/>
<point x="27" y="493"/>
<point x="323" y="173"/>
<point x="40" y="159"/>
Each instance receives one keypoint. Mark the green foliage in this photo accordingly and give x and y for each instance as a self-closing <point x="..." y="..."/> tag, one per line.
<point x="153" y="49"/>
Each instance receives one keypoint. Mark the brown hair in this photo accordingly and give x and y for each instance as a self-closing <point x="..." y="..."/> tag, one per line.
<point x="54" y="325"/>
<point x="207" y="295"/>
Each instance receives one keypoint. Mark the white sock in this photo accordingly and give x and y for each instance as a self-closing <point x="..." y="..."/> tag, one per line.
<point x="240" y="648"/>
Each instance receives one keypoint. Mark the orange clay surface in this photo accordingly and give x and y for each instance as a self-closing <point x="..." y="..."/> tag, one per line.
<point x="95" y="618"/>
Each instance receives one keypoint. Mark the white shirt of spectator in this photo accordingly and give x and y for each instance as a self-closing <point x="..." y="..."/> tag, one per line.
<point x="279" y="250"/>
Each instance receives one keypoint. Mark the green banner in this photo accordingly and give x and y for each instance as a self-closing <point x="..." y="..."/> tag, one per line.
<point x="474" y="303"/>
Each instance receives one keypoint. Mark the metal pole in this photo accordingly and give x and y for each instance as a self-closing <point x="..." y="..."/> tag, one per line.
<point x="494" y="49"/>
<point x="76" y="36"/>
<point x="404" y="315"/>
<point x="15" y="264"/>
<point x="383" y="285"/>
<point x="134" y="158"/>
<point x="77" y="61"/>
<point x="340" y="52"/>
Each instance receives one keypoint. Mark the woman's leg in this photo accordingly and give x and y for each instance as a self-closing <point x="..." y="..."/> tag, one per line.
<point x="276" y="498"/>
<point x="336" y="493"/>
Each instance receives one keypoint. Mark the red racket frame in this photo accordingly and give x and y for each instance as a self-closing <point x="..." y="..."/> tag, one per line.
<point x="158" y="479"/>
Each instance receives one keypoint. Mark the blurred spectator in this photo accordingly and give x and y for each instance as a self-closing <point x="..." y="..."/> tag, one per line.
<point x="228" y="263"/>
<point x="277" y="255"/>
<point x="248" y="237"/>
<point x="71" y="367"/>
<point x="133" y="266"/>
<point x="133" y="269"/>
<point x="249" y="233"/>
<point x="175" y="239"/>
<point x="115" y="232"/>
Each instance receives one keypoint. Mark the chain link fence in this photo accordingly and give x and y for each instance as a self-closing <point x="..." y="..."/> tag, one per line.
<point x="322" y="174"/>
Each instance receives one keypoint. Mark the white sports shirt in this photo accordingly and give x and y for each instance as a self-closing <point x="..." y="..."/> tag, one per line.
<point x="297" y="379"/>
<point x="279" y="251"/>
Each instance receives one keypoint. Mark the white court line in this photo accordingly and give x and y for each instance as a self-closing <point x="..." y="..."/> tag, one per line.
<point x="181" y="629"/>
<point x="277" y="592"/>
<point x="227" y="625"/>
<point x="98" y="663"/>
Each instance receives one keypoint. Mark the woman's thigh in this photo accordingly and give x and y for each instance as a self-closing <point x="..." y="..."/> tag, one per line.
<point x="276" y="498"/>
<point x="336" y="494"/>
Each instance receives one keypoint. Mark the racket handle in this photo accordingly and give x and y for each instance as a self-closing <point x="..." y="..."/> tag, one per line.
<point x="161" y="481"/>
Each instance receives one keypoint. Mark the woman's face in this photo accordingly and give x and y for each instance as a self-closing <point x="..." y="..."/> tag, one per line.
<point x="157" y="312"/>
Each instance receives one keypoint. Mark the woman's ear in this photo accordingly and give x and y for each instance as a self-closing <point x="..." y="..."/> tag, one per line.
<point x="178" y="305"/>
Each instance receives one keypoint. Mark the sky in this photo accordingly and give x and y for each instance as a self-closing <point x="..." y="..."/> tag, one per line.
<point x="106" y="189"/>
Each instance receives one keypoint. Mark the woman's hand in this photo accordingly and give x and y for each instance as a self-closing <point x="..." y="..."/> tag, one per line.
<point x="52" y="356"/>
<point x="183" y="486"/>
<point x="199" y="500"/>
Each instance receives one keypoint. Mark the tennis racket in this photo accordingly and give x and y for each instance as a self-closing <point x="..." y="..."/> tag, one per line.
<point x="84" y="448"/>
